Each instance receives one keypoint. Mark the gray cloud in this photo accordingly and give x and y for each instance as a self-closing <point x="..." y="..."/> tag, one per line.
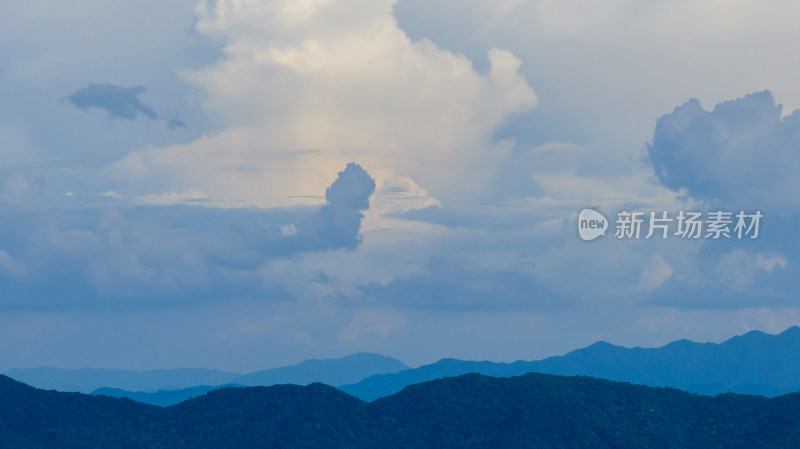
<point x="450" y="282"/>
<point x="742" y="155"/>
<point x="742" y="152"/>
<point x="335" y="225"/>
<point x="174" y="124"/>
<point x="145" y="256"/>
<point x="118" y="101"/>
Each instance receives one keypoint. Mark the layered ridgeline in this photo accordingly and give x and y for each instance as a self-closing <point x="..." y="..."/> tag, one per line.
<point x="167" y="387"/>
<point x="470" y="411"/>
<point x="86" y="380"/>
<point x="754" y="363"/>
<point x="335" y="372"/>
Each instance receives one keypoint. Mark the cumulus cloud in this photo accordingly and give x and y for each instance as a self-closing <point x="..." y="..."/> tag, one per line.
<point x="742" y="155"/>
<point x="333" y="226"/>
<point x="336" y="224"/>
<point x="118" y="101"/>
<point x="743" y="152"/>
<point x="307" y="89"/>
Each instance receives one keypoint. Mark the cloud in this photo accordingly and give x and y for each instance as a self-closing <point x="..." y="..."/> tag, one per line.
<point x="191" y="196"/>
<point x="18" y="189"/>
<point x="741" y="153"/>
<point x="9" y="266"/>
<point x="164" y="252"/>
<point x="301" y="91"/>
<point x="450" y="282"/>
<point x="118" y="101"/>
<point x="174" y="124"/>
<point x="333" y="226"/>
<point x="337" y="224"/>
<point x="739" y="267"/>
<point x="655" y="273"/>
<point x="111" y="194"/>
<point x="467" y="162"/>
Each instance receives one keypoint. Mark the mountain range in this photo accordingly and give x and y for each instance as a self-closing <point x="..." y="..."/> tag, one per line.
<point x="470" y="411"/>
<point x="329" y="371"/>
<point x="349" y="369"/>
<point x="161" y="398"/>
<point x="753" y="363"/>
<point x="344" y="370"/>
<point x="86" y="380"/>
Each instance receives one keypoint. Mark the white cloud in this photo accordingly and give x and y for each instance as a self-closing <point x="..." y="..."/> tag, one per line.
<point x="740" y="267"/>
<point x="312" y="86"/>
<point x="769" y="262"/>
<point x="9" y="265"/>
<point x="654" y="273"/>
<point x="605" y="71"/>
<point x="192" y="196"/>
<point x="111" y="194"/>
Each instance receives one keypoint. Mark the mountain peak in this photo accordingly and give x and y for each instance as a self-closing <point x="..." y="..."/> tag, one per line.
<point x="348" y="369"/>
<point x="753" y="363"/>
<point x="793" y="331"/>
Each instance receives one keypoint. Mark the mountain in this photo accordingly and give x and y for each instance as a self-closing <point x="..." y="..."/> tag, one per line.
<point x="166" y="384"/>
<point x="345" y="370"/>
<point x="161" y="398"/>
<point x="351" y="368"/>
<point x="33" y="418"/>
<point x="754" y="363"/>
<point x="86" y="380"/>
<point x="471" y="411"/>
<point x="382" y="385"/>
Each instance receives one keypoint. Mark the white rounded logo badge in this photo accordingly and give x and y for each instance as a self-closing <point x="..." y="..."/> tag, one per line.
<point x="591" y="224"/>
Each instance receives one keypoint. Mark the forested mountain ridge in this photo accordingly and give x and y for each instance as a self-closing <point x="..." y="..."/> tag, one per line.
<point x="753" y="363"/>
<point x="470" y="411"/>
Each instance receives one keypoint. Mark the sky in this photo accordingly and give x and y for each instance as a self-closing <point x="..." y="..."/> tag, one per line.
<point x="243" y="184"/>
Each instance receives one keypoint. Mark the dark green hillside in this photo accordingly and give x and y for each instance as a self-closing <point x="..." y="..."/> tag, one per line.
<point x="34" y="418"/>
<point x="315" y="416"/>
<point x="470" y="411"/>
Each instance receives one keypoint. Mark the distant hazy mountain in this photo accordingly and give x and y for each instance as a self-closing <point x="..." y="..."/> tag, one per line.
<point x="87" y="380"/>
<point x="347" y="369"/>
<point x="754" y="363"/>
<point x="473" y="411"/>
<point x="335" y="372"/>
<point x="161" y="383"/>
<point x="162" y="398"/>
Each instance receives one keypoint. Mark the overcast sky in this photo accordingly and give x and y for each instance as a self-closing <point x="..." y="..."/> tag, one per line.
<point x="243" y="184"/>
